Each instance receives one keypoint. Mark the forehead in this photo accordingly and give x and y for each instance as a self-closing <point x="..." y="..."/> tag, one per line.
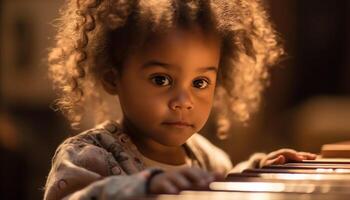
<point x="180" y="44"/>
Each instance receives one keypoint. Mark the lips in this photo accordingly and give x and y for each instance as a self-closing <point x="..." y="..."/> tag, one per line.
<point x="178" y="124"/>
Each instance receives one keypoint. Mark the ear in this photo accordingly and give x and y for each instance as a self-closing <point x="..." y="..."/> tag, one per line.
<point x="109" y="80"/>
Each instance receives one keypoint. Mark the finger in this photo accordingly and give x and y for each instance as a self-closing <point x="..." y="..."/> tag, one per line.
<point x="198" y="176"/>
<point x="291" y="155"/>
<point x="168" y="188"/>
<point x="275" y="154"/>
<point x="180" y="181"/>
<point x="277" y="161"/>
<point x="307" y="155"/>
<point x="218" y="176"/>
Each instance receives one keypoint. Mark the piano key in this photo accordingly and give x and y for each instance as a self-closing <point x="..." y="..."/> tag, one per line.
<point x="327" y="160"/>
<point x="300" y="171"/>
<point x="288" y="176"/>
<point x="286" y="187"/>
<point x="307" y="166"/>
<point x="216" y="195"/>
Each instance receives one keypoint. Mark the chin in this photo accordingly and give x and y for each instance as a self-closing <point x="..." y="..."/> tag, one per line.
<point x="173" y="141"/>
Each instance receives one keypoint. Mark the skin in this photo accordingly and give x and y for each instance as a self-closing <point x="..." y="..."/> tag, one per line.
<point x="166" y="91"/>
<point x="283" y="156"/>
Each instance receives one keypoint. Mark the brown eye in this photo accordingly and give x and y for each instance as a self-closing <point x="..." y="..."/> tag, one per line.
<point x="161" y="80"/>
<point x="200" y="83"/>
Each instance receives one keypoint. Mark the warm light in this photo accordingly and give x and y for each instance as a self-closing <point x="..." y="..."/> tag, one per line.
<point x="263" y="187"/>
<point x="216" y="195"/>
<point x="248" y="186"/>
<point x="324" y="170"/>
<point x="307" y="176"/>
<point x="292" y="176"/>
<point x="342" y="170"/>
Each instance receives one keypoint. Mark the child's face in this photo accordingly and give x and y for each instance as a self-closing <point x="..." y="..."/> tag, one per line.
<point x="166" y="88"/>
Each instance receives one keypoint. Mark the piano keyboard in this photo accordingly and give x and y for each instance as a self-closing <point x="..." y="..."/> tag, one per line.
<point x="311" y="179"/>
<point x="318" y="177"/>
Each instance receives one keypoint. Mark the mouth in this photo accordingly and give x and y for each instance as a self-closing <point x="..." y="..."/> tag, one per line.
<point x="179" y="124"/>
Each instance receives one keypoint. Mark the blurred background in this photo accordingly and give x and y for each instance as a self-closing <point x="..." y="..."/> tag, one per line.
<point x="307" y="104"/>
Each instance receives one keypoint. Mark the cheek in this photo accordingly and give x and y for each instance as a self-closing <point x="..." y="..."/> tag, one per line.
<point x="204" y="105"/>
<point x="201" y="115"/>
<point x="142" y="103"/>
<point x="205" y="99"/>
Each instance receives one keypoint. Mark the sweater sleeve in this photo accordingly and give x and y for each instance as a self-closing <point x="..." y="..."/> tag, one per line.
<point x="83" y="170"/>
<point x="113" y="187"/>
<point x="215" y="159"/>
<point x="212" y="157"/>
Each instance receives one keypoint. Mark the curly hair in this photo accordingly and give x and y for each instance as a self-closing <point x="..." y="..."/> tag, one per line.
<point x="89" y="31"/>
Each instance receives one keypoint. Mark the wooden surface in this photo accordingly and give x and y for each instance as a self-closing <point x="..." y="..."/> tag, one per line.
<point x="336" y="150"/>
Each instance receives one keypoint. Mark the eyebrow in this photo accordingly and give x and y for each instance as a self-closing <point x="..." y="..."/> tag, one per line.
<point x="153" y="63"/>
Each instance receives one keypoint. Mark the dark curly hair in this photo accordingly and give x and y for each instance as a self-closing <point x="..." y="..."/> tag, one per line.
<point x="90" y="31"/>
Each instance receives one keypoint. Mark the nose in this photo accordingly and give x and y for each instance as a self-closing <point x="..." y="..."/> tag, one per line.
<point x="181" y="101"/>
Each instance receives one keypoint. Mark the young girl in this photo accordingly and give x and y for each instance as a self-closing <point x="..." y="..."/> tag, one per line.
<point x="168" y="62"/>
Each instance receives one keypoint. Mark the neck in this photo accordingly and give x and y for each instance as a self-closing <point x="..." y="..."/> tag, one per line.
<point x="173" y="155"/>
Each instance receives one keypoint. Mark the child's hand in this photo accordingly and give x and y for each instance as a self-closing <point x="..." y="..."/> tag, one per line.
<point x="284" y="155"/>
<point x="186" y="178"/>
